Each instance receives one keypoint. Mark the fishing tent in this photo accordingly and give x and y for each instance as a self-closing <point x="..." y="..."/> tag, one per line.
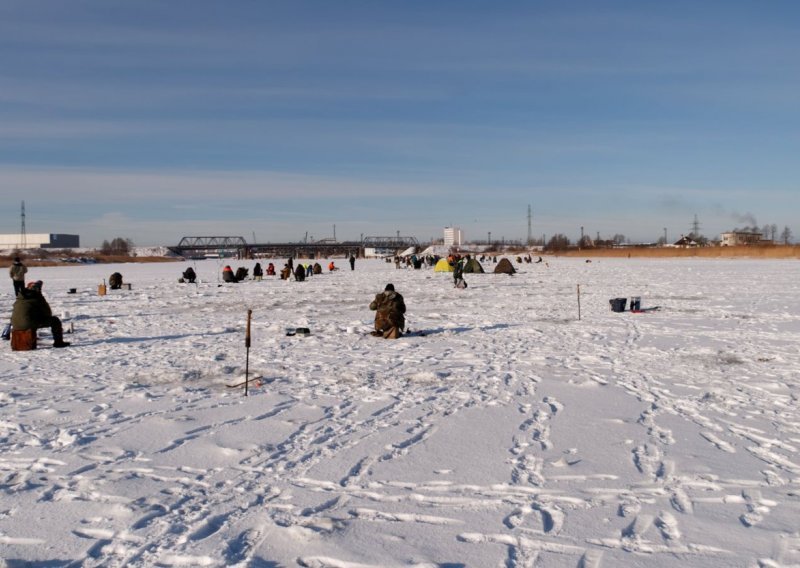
<point x="443" y="266"/>
<point x="504" y="266"/>
<point x="472" y="266"/>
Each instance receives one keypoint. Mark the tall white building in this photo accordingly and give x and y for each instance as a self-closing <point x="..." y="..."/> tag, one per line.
<point x="453" y="236"/>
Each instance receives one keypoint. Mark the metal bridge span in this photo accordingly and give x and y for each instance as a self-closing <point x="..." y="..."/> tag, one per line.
<point x="227" y="245"/>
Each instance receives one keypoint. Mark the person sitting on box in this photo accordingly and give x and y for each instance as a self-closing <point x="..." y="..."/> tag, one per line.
<point x="31" y="311"/>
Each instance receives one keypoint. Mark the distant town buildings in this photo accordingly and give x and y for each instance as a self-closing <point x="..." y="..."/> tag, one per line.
<point x="38" y="240"/>
<point x="453" y="237"/>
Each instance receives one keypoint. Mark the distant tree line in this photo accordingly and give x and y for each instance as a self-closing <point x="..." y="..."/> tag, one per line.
<point x="117" y="247"/>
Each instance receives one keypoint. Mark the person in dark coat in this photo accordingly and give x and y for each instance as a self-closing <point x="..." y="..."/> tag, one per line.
<point x="31" y="311"/>
<point x="17" y="273"/>
<point x="458" y="274"/>
<point x="241" y="273"/>
<point x="258" y="273"/>
<point x="317" y="269"/>
<point x="189" y="275"/>
<point x="352" y="262"/>
<point x="115" y="281"/>
<point x="300" y="273"/>
<point x="227" y="274"/>
<point x="389" y="308"/>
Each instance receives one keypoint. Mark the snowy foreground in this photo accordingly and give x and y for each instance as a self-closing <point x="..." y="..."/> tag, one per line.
<point x="508" y="434"/>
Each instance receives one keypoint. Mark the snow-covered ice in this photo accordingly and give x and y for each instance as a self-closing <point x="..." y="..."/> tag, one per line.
<point x="507" y="433"/>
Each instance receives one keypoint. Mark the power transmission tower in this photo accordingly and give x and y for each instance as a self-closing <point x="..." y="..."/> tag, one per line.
<point x="695" y="227"/>
<point x="530" y="234"/>
<point x="23" y="235"/>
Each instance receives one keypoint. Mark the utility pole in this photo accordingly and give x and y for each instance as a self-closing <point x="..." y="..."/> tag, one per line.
<point x="490" y="238"/>
<point x="334" y="233"/>
<point x="530" y="234"/>
<point x="23" y="235"/>
<point x="665" y="236"/>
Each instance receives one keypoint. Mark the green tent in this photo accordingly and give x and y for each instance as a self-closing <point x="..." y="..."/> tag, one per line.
<point x="472" y="266"/>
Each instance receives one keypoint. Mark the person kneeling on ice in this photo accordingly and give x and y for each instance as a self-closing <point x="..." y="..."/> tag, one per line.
<point x="227" y="274"/>
<point x="389" y="319"/>
<point x="189" y="275"/>
<point x="31" y="311"/>
<point x="115" y="281"/>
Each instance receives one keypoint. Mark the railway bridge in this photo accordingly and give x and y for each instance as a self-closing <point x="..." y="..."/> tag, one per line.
<point x="214" y="246"/>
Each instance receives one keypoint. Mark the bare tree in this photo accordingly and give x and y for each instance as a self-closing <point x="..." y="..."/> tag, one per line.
<point x="558" y="242"/>
<point x="786" y="235"/>
<point x="118" y="246"/>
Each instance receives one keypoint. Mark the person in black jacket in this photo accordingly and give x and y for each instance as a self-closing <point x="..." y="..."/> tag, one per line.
<point x="189" y="275"/>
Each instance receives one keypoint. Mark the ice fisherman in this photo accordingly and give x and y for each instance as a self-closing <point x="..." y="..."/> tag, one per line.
<point x="189" y="275"/>
<point x="115" y="281"/>
<point x="31" y="311"/>
<point x="228" y="275"/>
<point x="389" y="310"/>
<point x="17" y="273"/>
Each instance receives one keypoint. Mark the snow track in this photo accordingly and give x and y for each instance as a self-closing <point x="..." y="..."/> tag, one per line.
<point x="510" y="434"/>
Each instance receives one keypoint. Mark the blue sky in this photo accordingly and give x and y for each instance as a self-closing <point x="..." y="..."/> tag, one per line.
<point x="154" y="120"/>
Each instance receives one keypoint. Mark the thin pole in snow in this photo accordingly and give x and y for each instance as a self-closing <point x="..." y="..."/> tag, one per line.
<point x="579" y="302"/>
<point x="247" y="358"/>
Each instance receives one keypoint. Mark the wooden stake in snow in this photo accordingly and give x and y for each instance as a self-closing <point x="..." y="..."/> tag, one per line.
<point x="579" y="302"/>
<point x="247" y="358"/>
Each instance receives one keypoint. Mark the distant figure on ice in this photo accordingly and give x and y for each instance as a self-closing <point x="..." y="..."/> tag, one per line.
<point x="331" y="266"/>
<point x="300" y="273"/>
<point x="270" y="269"/>
<point x="241" y="273"/>
<point x="258" y="273"/>
<point x="17" y="273"/>
<point x="115" y="281"/>
<point x="286" y="272"/>
<point x="389" y="308"/>
<point x="309" y="270"/>
<point x="31" y="311"/>
<point x="317" y="268"/>
<point x="227" y="274"/>
<point x="458" y="274"/>
<point x="352" y="262"/>
<point x="189" y="275"/>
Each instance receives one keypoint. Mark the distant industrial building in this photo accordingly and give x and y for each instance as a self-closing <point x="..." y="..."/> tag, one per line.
<point x="453" y="237"/>
<point x="39" y="240"/>
<point x="739" y="238"/>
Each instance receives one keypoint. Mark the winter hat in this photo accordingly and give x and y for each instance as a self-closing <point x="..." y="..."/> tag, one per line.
<point x="389" y="288"/>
